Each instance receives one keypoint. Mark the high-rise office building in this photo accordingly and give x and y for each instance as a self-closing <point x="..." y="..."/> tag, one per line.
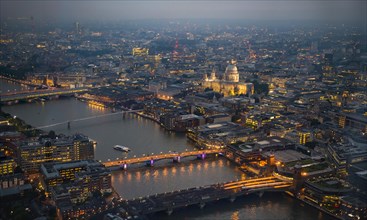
<point x="70" y="184"/>
<point x="328" y="59"/>
<point x="89" y="175"/>
<point x="77" y="27"/>
<point x="327" y="65"/>
<point x="304" y="136"/>
<point x="7" y="165"/>
<point x="33" y="154"/>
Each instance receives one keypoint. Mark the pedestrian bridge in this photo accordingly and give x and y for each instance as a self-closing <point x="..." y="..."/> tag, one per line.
<point x="68" y="123"/>
<point x="150" y="159"/>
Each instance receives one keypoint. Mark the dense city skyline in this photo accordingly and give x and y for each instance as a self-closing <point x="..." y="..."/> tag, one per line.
<point x="121" y="110"/>
<point x="60" y="11"/>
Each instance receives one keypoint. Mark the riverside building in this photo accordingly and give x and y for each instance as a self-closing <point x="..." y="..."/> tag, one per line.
<point x="33" y="154"/>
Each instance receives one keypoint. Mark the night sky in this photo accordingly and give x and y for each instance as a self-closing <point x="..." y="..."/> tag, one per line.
<point x="250" y="10"/>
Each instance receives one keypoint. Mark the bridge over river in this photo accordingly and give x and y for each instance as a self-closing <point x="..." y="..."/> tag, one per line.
<point x="32" y="94"/>
<point x="150" y="159"/>
<point x="68" y="122"/>
<point x="202" y="195"/>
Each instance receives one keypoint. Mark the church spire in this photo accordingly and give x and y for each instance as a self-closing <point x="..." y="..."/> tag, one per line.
<point x="205" y="77"/>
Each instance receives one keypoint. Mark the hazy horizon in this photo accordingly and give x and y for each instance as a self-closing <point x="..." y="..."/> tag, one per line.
<point x="64" y="11"/>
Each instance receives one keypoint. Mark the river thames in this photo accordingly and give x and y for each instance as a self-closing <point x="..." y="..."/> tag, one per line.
<point x="144" y="136"/>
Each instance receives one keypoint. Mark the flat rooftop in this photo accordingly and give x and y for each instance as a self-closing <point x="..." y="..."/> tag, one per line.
<point x="286" y="156"/>
<point x="51" y="169"/>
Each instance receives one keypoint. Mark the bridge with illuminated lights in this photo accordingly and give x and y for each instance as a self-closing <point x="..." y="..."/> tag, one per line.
<point x="22" y="82"/>
<point x="33" y="94"/>
<point x="201" y="195"/>
<point x="68" y="123"/>
<point x="150" y="159"/>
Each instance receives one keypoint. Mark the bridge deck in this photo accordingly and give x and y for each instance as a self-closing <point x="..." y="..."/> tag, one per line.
<point x="200" y="195"/>
<point x="160" y="157"/>
<point x="39" y="93"/>
<point x="86" y="118"/>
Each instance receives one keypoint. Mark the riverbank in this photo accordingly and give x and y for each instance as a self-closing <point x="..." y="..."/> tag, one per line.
<point x="150" y="118"/>
<point x="19" y="81"/>
<point x="20" y="125"/>
<point x="313" y="205"/>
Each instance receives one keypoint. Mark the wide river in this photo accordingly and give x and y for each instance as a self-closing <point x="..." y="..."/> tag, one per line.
<point x="143" y="136"/>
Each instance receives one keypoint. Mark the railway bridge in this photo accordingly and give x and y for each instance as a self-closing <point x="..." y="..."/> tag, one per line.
<point x="169" y="201"/>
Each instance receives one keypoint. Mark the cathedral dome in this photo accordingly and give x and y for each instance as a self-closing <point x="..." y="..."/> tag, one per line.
<point x="231" y="73"/>
<point x="231" y="69"/>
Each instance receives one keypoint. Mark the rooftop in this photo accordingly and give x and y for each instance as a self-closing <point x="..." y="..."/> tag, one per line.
<point x="355" y="200"/>
<point x="51" y="170"/>
<point x="330" y="185"/>
<point x="287" y="156"/>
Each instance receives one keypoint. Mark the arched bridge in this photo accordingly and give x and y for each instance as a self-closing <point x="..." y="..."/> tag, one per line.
<point x="149" y="159"/>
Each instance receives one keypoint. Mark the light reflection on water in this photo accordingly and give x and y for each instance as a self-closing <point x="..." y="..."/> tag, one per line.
<point x="235" y="215"/>
<point x="270" y="206"/>
<point x="190" y="173"/>
<point x="141" y="135"/>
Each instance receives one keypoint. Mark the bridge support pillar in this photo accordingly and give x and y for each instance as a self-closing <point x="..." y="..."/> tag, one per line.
<point x="201" y="156"/>
<point x="202" y="205"/>
<point x="169" y="211"/>
<point x="124" y="166"/>
<point x="177" y="159"/>
<point x="150" y="163"/>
